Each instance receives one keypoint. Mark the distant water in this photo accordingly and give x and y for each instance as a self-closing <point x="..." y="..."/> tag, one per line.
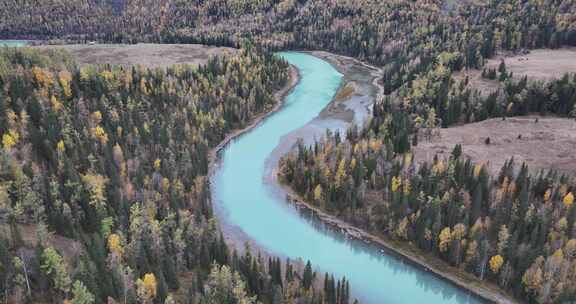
<point x="244" y="199"/>
<point x="13" y="43"/>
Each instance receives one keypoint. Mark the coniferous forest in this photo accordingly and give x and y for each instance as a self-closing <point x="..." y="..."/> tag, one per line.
<point x="104" y="194"/>
<point x="114" y="161"/>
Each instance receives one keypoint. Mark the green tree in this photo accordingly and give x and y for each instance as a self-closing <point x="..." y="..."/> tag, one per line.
<point x="81" y="294"/>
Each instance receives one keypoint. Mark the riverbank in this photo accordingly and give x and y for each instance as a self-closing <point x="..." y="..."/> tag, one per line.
<point x="336" y="110"/>
<point x="359" y="80"/>
<point x="252" y="209"/>
<point x="280" y="95"/>
<point x="234" y="236"/>
<point x="412" y="254"/>
<point x="346" y="65"/>
<point x="343" y="111"/>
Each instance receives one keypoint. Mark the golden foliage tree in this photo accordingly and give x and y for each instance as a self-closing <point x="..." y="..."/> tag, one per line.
<point x="115" y="244"/>
<point x="568" y="200"/>
<point x="496" y="263"/>
<point x="318" y="193"/>
<point x="146" y="288"/>
<point x="444" y="239"/>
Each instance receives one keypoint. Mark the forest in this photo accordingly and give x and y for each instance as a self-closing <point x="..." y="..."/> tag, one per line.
<point x="404" y="37"/>
<point x="516" y="229"/>
<point x="116" y="158"/>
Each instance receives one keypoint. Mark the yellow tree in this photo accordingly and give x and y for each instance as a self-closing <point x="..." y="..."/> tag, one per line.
<point x="547" y="195"/>
<point x="533" y="277"/>
<point x="96" y="184"/>
<point x="64" y="78"/>
<point x="100" y="134"/>
<point x="146" y="288"/>
<point x="318" y="193"/>
<point x="43" y="77"/>
<point x="10" y="139"/>
<point x="444" y="238"/>
<point x="477" y="170"/>
<point x="496" y="263"/>
<point x="340" y="173"/>
<point x="60" y="146"/>
<point x="439" y="168"/>
<point x="115" y="244"/>
<point x="157" y="164"/>
<point x="396" y="182"/>
<point x="568" y="200"/>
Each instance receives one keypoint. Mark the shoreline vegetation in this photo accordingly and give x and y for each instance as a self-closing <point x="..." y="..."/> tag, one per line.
<point x="406" y="249"/>
<point x="214" y="158"/>
<point x="411" y="254"/>
<point x="482" y="289"/>
<point x="118" y="159"/>
<point x="279" y="96"/>
<point x="172" y="245"/>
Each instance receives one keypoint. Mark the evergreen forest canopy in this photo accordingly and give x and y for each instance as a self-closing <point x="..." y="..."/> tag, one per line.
<point x="403" y="36"/>
<point x="116" y="158"/>
<point x="114" y="161"/>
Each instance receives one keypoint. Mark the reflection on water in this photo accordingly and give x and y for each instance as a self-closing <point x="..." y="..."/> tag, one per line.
<point x="246" y="199"/>
<point x="425" y="280"/>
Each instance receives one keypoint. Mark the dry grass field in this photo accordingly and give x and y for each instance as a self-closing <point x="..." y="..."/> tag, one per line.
<point x="542" y="64"/>
<point x="150" y="55"/>
<point x="549" y="143"/>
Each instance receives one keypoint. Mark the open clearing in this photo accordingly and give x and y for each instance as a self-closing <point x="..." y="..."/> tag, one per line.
<point x="542" y="64"/>
<point x="549" y="143"/>
<point x="147" y="54"/>
<point x="69" y="248"/>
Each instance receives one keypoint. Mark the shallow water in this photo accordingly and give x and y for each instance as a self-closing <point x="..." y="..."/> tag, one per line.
<point x="246" y="200"/>
<point x="13" y="43"/>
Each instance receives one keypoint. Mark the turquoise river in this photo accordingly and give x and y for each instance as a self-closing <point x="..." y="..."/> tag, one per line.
<point x="13" y="43"/>
<point x="246" y="200"/>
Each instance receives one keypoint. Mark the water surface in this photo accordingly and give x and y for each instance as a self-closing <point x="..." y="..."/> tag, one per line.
<point x="13" y="43"/>
<point x="246" y="200"/>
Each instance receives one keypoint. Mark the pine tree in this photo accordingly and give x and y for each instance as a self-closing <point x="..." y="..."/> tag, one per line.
<point x="308" y="276"/>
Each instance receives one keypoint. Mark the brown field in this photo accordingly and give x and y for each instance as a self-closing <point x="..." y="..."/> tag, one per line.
<point x="542" y="64"/>
<point x="548" y="144"/>
<point x="150" y="55"/>
<point x="69" y="248"/>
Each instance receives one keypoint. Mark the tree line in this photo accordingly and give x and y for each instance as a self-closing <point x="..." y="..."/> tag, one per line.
<point x="402" y="36"/>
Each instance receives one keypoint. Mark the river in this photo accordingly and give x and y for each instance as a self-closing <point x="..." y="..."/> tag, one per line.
<point x="246" y="200"/>
<point x="13" y="43"/>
